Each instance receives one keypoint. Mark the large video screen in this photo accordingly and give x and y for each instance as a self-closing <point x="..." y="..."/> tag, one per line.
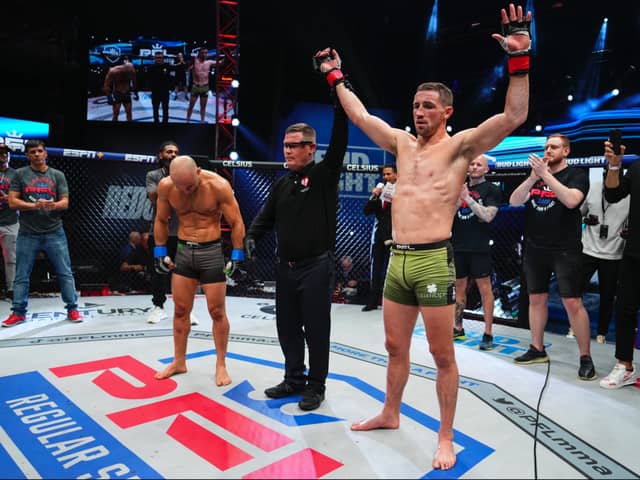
<point x="148" y="79"/>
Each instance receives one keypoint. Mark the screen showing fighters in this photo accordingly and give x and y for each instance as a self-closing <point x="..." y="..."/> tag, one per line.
<point x="148" y="79"/>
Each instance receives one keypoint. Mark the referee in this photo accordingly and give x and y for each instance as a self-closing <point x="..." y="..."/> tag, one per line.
<point x="301" y="207"/>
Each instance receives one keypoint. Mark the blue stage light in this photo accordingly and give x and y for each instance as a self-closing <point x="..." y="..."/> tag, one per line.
<point x="432" y="27"/>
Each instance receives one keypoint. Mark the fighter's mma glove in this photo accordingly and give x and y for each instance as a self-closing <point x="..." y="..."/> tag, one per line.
<point x="334" y="76"/>
<point x="161" y="260"/>
<point x="250" y="247"/>
<point x="318" y="61"/>
<point x="233" y="265"/>
<point x="518" y="61"/>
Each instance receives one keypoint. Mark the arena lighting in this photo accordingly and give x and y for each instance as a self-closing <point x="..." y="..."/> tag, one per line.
<point x="235" y="83"/>
<point x="233" y="155"/>
<point x="432" y="26"/>
<point x="615" y="92"/>
<point x="589" y="80"/>
<point x="570" y="97"/>
<point x="627" y="102"/>
<point x="534" y="37"/>
<point x="255" y="142"/>
<point x="449" y="128"/>
<point x="489" y="86"/>
<point x="407" y="128"/>
<point x="602" y="36"/>
<point x="538" y="128"/>
<point x="235" y="122"/>
<point x="580" y="109"/>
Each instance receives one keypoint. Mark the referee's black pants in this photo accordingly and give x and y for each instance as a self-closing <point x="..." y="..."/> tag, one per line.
<point x="303" y="313"/>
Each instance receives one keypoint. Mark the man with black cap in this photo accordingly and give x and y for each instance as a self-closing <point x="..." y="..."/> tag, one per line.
<point x="8" y="220"/>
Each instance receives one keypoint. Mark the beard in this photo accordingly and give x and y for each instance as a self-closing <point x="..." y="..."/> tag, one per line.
<point x="165" y="162"/>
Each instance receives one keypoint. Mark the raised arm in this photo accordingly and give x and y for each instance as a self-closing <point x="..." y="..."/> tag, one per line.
<point x="379" y="131"/>
<point x="516" y="42"/>
<point x="615" y="189"/>
<point x="334" y="157"/>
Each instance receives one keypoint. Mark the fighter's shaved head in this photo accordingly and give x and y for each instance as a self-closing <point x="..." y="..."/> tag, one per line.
<point x="184" y="173"/>
<point x="183" y="163"/>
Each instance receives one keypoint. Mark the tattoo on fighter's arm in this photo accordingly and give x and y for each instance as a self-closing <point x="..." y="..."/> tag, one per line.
<point x="486" y="214"/>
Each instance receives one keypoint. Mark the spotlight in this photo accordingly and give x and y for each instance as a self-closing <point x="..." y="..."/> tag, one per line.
<point x="407" y="128"/>
<point x="570" y="97"/>
<point x="538" y="128"/>
<point x="449" y="128"/>
<point x="235" y="83"/>
<point x="235" y="122"/>
<point x="233" y="155"/>
<point x="615" y="92"/>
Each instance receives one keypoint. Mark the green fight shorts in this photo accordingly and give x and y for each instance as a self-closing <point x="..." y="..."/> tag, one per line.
<point x="422" y="274"/>
<point x="200" y="90"/>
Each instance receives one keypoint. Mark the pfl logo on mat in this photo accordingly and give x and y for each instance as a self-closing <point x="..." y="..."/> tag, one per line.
<point x="61" y="441"/>
<point x="49" y="433"/>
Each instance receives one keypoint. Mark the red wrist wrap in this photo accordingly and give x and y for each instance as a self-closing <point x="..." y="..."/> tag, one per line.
<point x="333" y="75"/>
<point x="518" y="65"/>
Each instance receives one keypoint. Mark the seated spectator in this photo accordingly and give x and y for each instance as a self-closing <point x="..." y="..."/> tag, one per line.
<point x="346" y="281"/>
<point x="134" y="262"/>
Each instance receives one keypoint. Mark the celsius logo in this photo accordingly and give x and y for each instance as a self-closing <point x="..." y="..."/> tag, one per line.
<point x="267" y="312"/>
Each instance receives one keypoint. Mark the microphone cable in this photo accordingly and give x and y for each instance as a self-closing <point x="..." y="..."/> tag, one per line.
<point x="535" y="430"/>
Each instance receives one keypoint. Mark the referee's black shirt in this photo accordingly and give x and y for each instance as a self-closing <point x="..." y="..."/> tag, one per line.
<point x="302" y="205"/>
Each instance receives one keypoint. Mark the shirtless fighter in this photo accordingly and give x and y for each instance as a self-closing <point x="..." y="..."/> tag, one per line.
<point x="119" y="83"/>
<point x="431" y="167"/>
<point x="200" y="69"/>
<point x="200" y="198"/>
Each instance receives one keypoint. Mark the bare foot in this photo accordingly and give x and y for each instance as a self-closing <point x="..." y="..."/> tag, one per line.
<point x="171" y="370"/>
<point x="379" y="421"/>
<point x="445" y="457"/>
<point x="222" y="377"/>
